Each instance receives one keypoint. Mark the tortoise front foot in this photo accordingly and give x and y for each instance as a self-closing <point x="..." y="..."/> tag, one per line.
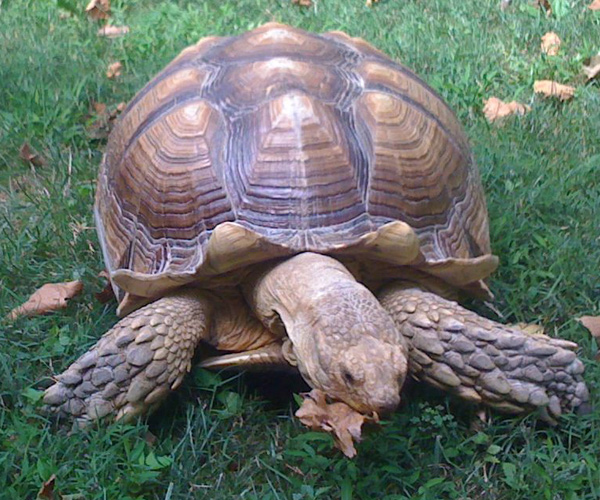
<point x="483" y="361"/>
<point x="134" y="365"/>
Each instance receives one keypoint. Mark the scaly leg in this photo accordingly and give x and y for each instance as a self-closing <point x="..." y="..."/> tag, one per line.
<point x="134" y="365"/>
<point x="483" y="361"/>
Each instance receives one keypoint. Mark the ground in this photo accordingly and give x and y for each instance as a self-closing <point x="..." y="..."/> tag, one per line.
<point x="229" y="437"/>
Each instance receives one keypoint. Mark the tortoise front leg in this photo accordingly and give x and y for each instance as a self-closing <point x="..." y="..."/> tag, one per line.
<point x="483" y="361"/>
<point x="132" y="368"/>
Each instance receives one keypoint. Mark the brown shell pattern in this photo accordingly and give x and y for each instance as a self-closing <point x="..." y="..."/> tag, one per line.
<point x="309" y="140"/>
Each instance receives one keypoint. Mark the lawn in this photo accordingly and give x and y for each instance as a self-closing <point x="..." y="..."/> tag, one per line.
<point x="234" y="436"/>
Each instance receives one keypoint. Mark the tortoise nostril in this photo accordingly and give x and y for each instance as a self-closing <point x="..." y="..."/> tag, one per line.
<point x="348" y="377"/>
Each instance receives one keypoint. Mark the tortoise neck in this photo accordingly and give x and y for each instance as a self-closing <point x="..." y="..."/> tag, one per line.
<point x="281" y="291"/>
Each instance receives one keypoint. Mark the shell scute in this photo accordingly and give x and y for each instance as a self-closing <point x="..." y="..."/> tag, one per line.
<point x="279" y="141"/>
<point x="405" y="85"/>
<point x="264" y="42"/>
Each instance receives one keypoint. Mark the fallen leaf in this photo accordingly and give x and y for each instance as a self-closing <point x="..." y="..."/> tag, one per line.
<point x="369" y="3"/>
<point x="98" y="9"/>
<point x="553" y="89"/>
<point x="550" y="43"/>
<point x="114" y="70"/>
<point x="592" y="67"/>
<point x="494" y="109"/>
<point x="107" y="293"/>
<point x="302" y="3"/>
<point x="338" y="418"/>
<point x="592" y="323"/>
<point x="47" y="489"/>
<point x="50" y="297"/>
<point x="595" y="5"/>
<point x="30" y="155"/>
<point x="111" y="31"/>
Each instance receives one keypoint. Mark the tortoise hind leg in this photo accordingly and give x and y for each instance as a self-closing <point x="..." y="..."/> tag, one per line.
<point x="132" y="368"/>
<point x="483" y="361"/>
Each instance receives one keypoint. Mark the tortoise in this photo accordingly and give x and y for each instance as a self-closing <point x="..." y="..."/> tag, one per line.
<point x="301" y="199"/>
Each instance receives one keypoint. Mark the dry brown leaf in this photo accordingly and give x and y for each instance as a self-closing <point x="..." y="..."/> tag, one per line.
<point x="111" y="31"/>
<point x="114" y="70"/>
<point x="302" y="3"/>
<point x="595" y="5"/>
<point x="98" y="9"/>
<point x="494" y="109"/>
<point x="107" y="293"/>
<point x="550" y="43"/>
<point x="592" y="323"/>
<point x="592" y="67"/>
<point x="50" y="297"/>
<point x="338" y="418"/>
<point x="553" y="89"/>
<point x="47" y="489"/>
<point x="30" y="155"/>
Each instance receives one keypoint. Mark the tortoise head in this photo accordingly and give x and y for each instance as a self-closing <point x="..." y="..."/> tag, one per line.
<point x="342" y="340"/>
<point x="346" y="345"/>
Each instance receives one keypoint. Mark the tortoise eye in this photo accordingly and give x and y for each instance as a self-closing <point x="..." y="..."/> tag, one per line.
<point x="348" y="377"/>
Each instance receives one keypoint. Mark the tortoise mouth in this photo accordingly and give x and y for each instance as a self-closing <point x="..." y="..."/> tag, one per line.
<point x="383" y="401"/>
<point x="386" y="407"/>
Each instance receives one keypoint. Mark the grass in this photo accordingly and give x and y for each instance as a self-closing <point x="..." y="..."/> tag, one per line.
<point x="234" y="438"/>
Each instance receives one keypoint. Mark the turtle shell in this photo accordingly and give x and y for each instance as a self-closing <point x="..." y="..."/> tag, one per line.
<point x="280" y="141"/>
